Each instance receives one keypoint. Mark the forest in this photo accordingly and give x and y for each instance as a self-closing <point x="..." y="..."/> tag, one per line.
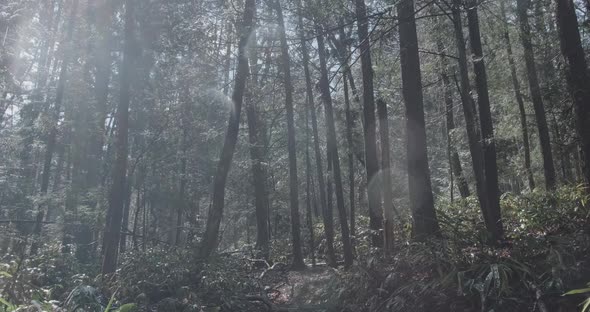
<point x="294" y="155"/>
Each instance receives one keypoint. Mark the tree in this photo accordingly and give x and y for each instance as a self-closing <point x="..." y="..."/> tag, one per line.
<point x="369" y="130"/>
<point x="293" y="181"/>
<point x="487" y="127"/>
<point x="258" y="179"/>
<point x="387" y="189"/>
<point x="117" y="197"/>
<point x="350" y="145"/>
<point x="473" y="134"/>
<point x="578" y="79"/>
<point x="420" y="189"/>
<point x="55" y="117"/>
<point x="454" y="161"/>
<point x="519" y="100"/>
<point x="328" y="228"/>
<point x="211" y="236"/>
<point x="537" y="98"/>
<point x="333" y="152"/>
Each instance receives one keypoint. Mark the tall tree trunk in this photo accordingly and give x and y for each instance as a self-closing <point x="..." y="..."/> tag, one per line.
<point x="519" y="101"/>
<point x="184" y="142"/>
<point x="138" y="200"/>
<point x="487" y="127"/>
<point x="52" y="137"/>
<point x="211" y="236"/>
<point x="126" y="211"/>
<point x="257" y="156"/>
<point x="387" y="188"/>
<point x="298" y="262"/>
<point x="537" y="97"/>
<point x="117" y="197"/>
<point x="350" y="145"/>
<point x="333" y="152"/>
<point x="473" y="135"/>
<point x="420" y="188"/>
<point x="578" y="79"/>
<point x="369" y="130"/>
<point x="330" y="253"/>
<point x="455" y="162"/>
<point x="227" y="65"/>
<point x="309" y="190"/>
<point x="342" y="50"/>
<point x="101" y="87"/>
<point x="259" y="180"/>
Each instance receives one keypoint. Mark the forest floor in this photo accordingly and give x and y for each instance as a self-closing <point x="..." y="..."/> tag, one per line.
<point x="548" y="255"/>
<point x="306" y="288"/>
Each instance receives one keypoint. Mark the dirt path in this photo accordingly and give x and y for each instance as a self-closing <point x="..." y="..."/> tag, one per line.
<point x="313" y="289"/>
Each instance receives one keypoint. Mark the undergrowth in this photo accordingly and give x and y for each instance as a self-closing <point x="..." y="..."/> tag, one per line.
<point x="546" y="254"/>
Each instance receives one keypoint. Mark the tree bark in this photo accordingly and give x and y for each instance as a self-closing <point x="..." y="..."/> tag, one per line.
<point x="330" y="253"/>
<point x="487" y="127"/>
<point x="342" y="49"/>
<point x="420" y="188"/>
<point x="257" y="156"/>
<point x="454" y="160"/>
<point x="473" y="135"/>
<point x="537" y="97"/>
<point x="387" y="188"/>
<point x="101" y="87"/>
<point x="211" y="235"/>
<point x="259" y="180"/>
<point x="117" y="197"/>
<point x="333" y="152"/>
<point x="298" y="262"/>
<point x="369" y="130"/>
<point x="519" y="101"/>
<point x="52" y="137"/>
<point x="309" y="190"/>
<point x="350" y="145"/>
<point x="578" y="79"/>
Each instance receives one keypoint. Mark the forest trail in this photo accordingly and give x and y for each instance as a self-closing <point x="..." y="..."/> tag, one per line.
<point x="312" y="289"/>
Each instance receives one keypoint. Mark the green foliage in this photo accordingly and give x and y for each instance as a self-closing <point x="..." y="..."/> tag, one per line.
<point x="6" y="306"/>
<point x="586" y="303"/>
<point x="546" y="253"/>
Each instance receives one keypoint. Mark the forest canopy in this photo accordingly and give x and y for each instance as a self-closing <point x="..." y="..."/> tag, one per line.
<point x="293" y="155"/>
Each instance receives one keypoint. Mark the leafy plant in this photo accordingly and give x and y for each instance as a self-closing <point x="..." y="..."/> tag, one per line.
<point x="6" y="306"/>
<point x="586" y="303"/>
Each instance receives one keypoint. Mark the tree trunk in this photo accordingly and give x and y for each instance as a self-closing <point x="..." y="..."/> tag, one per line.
<point x="227" y="65"/>
<point x="519" y="101"/>
<point x="454" y="160"/>
<point x="350" y="145"/>
<point x="469" y="113"/>
<point x="125" y="219"/>
<point x="259" y="180"/>
<point x="138" y="200"/>
<point x="308" y="191"/>
<point x="333" y="152"/>
<point x="52" y="137"/>
<point x="330" y="254"/>
<point x="211" y="235"/>
<point x="101" y="88"/>
<point x="298" y="262"/>
<point x="420" y="189"/>
<point x="487" y="127"/>
<point x="184" y="142"/>
<point x="369" y="131"/>
<point x="117" y="197"/>
<point x="537" y="97"/>
<point x="387" y="188"/>
<point x="257" y="156"/>
<point x="578" y="79"/>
